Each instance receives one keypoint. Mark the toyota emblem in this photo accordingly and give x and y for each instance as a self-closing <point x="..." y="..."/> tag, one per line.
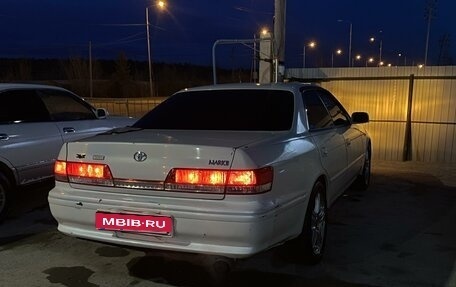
<point x="140" y="156"/>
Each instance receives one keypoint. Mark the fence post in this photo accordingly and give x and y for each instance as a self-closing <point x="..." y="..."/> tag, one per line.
<point x="407" y="151"/>
<point x="127" y="105"/>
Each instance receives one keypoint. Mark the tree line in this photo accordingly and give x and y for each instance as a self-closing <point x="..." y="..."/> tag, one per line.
<point x="119" y="78"/>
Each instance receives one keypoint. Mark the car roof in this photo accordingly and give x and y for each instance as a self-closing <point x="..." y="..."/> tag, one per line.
<point x="9" y="86"/>
<point x="291" y="86"/>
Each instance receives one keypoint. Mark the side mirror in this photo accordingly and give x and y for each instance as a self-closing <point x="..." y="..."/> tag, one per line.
<point x="360" y="117"/>
<point x="102" y="113"/>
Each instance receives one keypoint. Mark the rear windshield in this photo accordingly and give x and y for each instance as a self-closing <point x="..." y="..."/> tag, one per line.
<point x="234" y="110"/>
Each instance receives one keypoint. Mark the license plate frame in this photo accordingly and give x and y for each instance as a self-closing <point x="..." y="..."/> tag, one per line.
<point x="150" y="224"/>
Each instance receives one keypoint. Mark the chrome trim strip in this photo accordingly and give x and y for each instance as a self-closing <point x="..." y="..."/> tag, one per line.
<point x="139" y="184"/>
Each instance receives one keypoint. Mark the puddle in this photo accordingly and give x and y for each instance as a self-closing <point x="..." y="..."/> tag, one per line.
<point x="77" y="276"/>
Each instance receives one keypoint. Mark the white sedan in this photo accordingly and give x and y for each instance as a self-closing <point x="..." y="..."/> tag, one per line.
<point x="226" y="170"/>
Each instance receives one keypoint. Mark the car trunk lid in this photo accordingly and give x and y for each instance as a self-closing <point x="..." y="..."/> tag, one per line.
<point x="145" y="162"/>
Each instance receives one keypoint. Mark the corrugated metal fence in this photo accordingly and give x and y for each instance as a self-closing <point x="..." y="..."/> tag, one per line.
<point x="132" y="107"/>
<point x="412" y="110"/>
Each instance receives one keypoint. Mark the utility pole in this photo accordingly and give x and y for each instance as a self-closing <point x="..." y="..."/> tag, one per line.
<point x="444" y="55"/>
<point x="151" y="88"/>
<point x="429" y="13"/>
<point x="350" y="60"/>
<point x="90" y="70"/>
<point x="266" y="62"/>
<point x="350" y="45"/>
<point x="254" y="59"/>
<point x="279" y="39"/>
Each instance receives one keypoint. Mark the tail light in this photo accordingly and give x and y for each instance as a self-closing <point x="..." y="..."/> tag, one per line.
<point x="217" y="181"/>
<point x="179" y="179"/>
<point x="83" y="173"/>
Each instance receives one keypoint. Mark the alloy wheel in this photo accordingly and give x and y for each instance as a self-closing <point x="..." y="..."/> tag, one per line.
<point x="318" y="224"/>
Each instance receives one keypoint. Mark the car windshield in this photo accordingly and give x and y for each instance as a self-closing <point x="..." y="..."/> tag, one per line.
<point x="234" y="110"/>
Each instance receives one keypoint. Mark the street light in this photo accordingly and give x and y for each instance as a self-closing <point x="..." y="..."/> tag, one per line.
<point x="350" y="41"/>
<point x="161" y="5"/>
<point x="372" y="40"/>
<point x="338" y="52"/>
<point x="358" y="57"/>
<point x="405" y="58"/>
<point x="312" y="45"/>
<point x="370" y="60"/>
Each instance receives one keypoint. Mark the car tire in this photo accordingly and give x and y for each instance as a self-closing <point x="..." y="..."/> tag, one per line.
<point x="363" y="180"/>
<point x="313" y="237"/>
<point x="5" y="196"/>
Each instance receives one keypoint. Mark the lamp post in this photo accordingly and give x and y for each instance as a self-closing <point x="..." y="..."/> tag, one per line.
<point x="405" y="58"/>
<point x="311" y="44"/>
<point x="370" y="60"/>
<point x="372" y="40"/>
<point x="151" y="89"/>
<point x="338" y="52"/>
<point x="161" y="5"/>
<point x="358" y="57"/>
<point x="350" y="41"/>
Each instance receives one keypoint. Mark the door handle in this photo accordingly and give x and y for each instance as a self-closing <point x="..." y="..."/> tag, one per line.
<point x="348" y="142"/>
<point x="4" y="137"/>
<point x="69" y="130"/>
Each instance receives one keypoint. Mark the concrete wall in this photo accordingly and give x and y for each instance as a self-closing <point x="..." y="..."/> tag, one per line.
<point x="412" y="117"/>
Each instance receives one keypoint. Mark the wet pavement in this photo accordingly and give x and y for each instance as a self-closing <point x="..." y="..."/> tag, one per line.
<point x="400" y="232"/>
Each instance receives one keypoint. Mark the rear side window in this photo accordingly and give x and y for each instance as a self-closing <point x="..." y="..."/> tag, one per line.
<point x="235" y="110"/>
<point x="22" y="106"/>
<point x="338" y="114"/>
<point x="317" y="114"/>
<point x="64" y="106"/>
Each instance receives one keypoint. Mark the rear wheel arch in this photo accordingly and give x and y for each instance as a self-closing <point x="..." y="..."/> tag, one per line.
<point x="362" y="181"/>
<point x="6" y="171"/>
<point x="6" y="194"/>
<point x="324" y="181"/>
<point x="369" y="148"/>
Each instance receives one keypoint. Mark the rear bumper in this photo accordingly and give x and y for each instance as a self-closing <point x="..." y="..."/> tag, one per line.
<point x="200" y="226"/>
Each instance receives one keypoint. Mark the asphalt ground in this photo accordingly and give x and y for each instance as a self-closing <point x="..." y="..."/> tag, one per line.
<point x="400" y="232"/>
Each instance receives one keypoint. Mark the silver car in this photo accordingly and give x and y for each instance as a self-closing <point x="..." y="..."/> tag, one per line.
<point x="227" y="170"/>
<point x="35" y="121"/>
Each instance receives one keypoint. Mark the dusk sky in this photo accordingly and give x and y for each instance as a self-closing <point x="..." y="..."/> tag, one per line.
<point x="186" y="33"/>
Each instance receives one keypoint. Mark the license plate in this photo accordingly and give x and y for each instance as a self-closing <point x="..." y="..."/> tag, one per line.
<point x="153" y="224"/>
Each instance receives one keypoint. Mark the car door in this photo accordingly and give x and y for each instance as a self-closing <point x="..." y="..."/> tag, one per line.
<point x="353" y="137"/>
<point x="74" y="117"/>
<point x="29" y="141"/>
<point x="329" y="139"/>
